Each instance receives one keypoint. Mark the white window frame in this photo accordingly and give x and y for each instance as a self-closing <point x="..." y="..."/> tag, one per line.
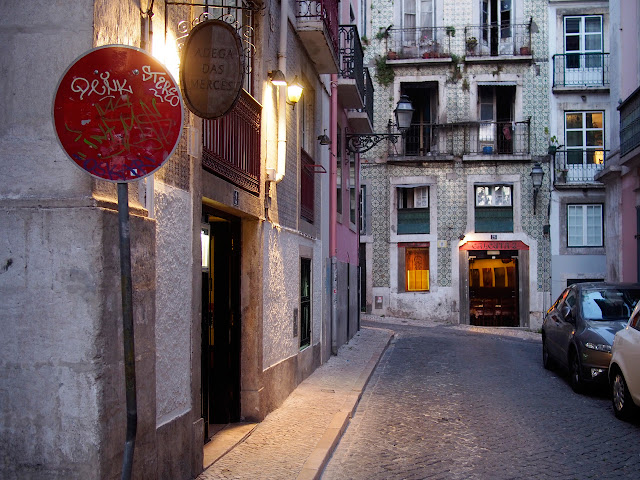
<point x="588" y="69"/>
<point x="581" y="212"/>
<point x="592" y="156"/>
<point x="418" y="20"/>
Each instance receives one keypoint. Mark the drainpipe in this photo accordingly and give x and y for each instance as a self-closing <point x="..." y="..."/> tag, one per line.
<point x="333" y="183"/>
<point x="282" y="99"/>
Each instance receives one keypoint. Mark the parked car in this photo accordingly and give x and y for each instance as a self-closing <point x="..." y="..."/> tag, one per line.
<point x="578" y="329"/>
<point x="624" y="369"/>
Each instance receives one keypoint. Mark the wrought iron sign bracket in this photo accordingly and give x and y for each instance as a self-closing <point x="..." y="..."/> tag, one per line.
<point x="363" y="142"/>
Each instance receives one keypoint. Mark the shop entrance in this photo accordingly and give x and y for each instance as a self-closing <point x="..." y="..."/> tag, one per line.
<point x="493" y="288"/>
<point x="220" y="235"/>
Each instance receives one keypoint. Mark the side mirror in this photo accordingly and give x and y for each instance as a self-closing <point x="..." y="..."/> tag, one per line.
<point x="565" y="311"/>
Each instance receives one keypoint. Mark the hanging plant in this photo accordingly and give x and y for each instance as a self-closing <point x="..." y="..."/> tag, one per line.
<point x="384" y="73"/>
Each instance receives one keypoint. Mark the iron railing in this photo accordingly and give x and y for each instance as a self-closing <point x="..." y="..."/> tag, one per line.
<point x="493" y="40"/>
<point x="231" y="144"/>
<point x="579" y="165"/>
<point x="581" y="70"/>
<point x="433" y="42"/>
<point x="630" y="123"/>
<point x="467" y="138"/>
<point x="351" y="55"/>
<point x="324" y="10"/>
<point x="368" y="95"/>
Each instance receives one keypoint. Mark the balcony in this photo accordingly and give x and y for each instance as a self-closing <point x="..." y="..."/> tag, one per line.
<point x="317" y="27"/>
<point x="470" y="140"/>
<point x="231" y="144"/>
<point x="578" y="166"/>
<point x="419" y="43"/>
<point x="351" y="74"/>
<point x="580" y="71"/>
<point x="630" y="123"/>
<point x="483" y="42"/>
<point x="361" y="119"/>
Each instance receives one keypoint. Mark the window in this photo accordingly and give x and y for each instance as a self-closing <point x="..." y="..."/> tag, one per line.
<point x="493" y="208"/>
<point x="584" y="225"/>
<point x="413" y="210"/>
<point x="416" y="261"/>
<point x="307" y="187"/>
<point x="419" y="139"/>
<point x="583" y="44"/>
<point x="353" y="200"/>
<point x="496" y="19"/>
<point x="584" y="138"/>
<point x="363" y="210"/>
<point x="496" y="105"/>
<point x="305" y="302"/>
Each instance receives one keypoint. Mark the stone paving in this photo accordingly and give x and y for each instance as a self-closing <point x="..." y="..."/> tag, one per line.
<point x="445" y="402"/>
<point x="295" y="440"/>
<point x="455" y="402"/>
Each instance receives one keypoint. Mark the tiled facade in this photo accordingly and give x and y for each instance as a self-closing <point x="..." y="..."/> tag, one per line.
<point x="450" y="177"/>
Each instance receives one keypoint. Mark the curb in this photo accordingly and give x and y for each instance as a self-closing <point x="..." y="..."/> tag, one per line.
<point x="320" y="455"/>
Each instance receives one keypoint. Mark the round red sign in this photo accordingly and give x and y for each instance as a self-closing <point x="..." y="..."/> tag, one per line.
<point x="118" y="113"/>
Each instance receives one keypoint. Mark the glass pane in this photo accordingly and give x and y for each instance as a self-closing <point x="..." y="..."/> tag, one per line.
<point x="502" y="196"/>
<point x="483" y="196"/>
<point x="593" y="24"/>
<point x="574" y="120"/>
<point x="593" y="60"/>
<point x="486" y="111"/>
<point x="574" y="225"/>
<point x="409" y="6"/>
<point x="574" y="139"/>
<point x="574" y="157"/>
<point x="417" y="269"/>
<point x="592" y="42"/>
<point x="572" y="25"/>
<point x="572" y="43"/>
<point x="594" y="120"/>
<point x="594" y="138"/>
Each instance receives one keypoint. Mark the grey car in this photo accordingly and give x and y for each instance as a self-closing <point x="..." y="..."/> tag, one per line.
<point x="578" y="329"/>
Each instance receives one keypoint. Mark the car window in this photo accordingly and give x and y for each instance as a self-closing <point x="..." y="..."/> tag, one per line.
<point x="633" y="322"/>
<point x="608" y="304"/>
<point x="570" y="299"/>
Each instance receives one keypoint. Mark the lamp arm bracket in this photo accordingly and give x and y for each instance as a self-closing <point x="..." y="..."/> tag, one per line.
<point x="363" y="142"/>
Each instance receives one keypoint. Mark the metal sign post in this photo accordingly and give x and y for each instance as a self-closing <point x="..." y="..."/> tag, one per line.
<point x="118" y="115"/>
<point x="127" y="328"/>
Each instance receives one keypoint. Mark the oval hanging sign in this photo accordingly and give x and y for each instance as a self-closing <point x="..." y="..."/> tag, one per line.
<point x="212" y="69"/>
<point x="118" y="113"/>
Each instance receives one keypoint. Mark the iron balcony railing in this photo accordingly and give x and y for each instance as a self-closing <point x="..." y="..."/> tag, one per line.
<point x="630" y="123"/>
<point x="493" y="40"/>
<point x="368" y="95"/>
<point x="581" y="70"/>
<point x="351" y="55"/>
<point x="324" y="10"/>
<point x="467" y="138"/>
<point x="434" y="42"/>
<point x="231" y="144"/>
<point x="579" y="165"/>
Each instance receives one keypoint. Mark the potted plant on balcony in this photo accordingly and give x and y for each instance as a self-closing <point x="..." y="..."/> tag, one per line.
<point x="525" y="50"/>
<point x="553" y="142"/>
<point x="472" y="43"/>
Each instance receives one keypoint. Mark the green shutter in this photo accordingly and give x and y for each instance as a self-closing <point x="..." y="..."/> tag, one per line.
<point x="494" y="219"/>
<point x="413" y="220"/>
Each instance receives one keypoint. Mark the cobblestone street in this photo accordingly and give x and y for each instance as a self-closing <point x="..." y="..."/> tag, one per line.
<point x="450" y="403"/>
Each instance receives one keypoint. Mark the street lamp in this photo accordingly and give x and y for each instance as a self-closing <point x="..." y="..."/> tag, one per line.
<point x="536" y="177"/>
<point x="363" y="142"/>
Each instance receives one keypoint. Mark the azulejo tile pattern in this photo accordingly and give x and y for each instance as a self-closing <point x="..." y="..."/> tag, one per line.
<point x="451" y="176"/>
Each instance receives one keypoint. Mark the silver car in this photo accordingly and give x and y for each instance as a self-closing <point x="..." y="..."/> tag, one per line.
<point x="578" y="329"/>
<point x="624" y="370"/>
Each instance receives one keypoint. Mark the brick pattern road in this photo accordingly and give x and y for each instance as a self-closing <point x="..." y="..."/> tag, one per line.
<point x="448" y="403"/>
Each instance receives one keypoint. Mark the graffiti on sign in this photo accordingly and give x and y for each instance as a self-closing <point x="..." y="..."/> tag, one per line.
<point x="118" y="113"/>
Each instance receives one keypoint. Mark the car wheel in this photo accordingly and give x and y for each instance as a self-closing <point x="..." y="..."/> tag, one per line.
<point x="575" y="377"/>
<point x="546" y="360"/>
<point x="622" y="402"/>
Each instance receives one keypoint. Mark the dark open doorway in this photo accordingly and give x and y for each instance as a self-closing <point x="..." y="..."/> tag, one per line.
<point x="493" y="288"/>
<point x="220" y="320"/>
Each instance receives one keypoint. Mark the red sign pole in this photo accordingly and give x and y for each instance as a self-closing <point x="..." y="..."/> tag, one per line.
<point x="118" y="115"/>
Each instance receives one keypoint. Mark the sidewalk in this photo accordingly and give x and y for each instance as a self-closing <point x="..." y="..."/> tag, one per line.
<point x="296" y="440"/>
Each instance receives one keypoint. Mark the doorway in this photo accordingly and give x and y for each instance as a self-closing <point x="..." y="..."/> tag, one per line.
<point x="493" y="288"/>
<point x="220" y="362"/>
